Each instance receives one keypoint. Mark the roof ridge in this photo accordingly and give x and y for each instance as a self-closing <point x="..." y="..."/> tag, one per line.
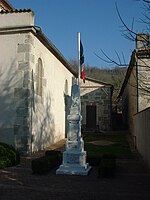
<point x="15" y="11"/>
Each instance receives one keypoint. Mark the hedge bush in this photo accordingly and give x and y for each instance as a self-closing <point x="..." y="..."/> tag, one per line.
<point x="93" y="160"/>
<point x="107" y="166"/>
<point x="44" y="164"/>
<point x="8" y="156"/>
<point x="56" y="153"/>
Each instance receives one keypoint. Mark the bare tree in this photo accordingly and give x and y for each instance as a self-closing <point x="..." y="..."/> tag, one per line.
<point x="139" y="70"/>
<point x="128" y="33"/>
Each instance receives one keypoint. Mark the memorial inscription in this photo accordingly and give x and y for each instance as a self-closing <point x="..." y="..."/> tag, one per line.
<point x="72" y="158"/>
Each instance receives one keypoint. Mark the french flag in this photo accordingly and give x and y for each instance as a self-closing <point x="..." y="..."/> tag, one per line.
<point x="81" y="62"/>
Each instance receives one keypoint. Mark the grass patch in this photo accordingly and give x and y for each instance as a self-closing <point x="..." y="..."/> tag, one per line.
<point x="120" y="147"/>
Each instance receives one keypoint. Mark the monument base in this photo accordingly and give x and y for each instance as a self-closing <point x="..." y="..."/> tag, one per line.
<point x="73" y="170"/>
<point x="74" y="163"/>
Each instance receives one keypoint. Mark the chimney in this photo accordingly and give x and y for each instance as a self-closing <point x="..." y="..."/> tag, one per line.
<point x="142" y="40"/>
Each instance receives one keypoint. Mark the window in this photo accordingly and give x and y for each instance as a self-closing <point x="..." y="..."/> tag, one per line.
<point x="39" y="77"/>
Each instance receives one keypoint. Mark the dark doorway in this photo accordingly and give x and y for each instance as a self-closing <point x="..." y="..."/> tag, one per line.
<point x="91" y="116"/>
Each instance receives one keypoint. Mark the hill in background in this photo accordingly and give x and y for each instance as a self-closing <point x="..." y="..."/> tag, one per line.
<point x="114" y="76"/>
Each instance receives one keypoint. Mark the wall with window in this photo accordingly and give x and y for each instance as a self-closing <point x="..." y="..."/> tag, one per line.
<point x="35" y="88"/>
<point x="52" y="88"/>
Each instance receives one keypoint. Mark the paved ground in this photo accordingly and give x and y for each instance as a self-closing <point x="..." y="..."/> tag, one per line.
<point x="132" y="181"/>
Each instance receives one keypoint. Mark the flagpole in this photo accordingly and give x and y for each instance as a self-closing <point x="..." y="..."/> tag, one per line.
<point x="79" y="70"/>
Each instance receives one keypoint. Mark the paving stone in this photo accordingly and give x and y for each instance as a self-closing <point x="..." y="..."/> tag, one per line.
<point x="131" y="182"/>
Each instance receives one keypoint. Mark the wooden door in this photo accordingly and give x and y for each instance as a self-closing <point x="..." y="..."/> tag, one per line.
<point x="91" y="116"/>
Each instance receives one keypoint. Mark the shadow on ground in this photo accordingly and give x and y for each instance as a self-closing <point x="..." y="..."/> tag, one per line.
<point x="132" y="181"/>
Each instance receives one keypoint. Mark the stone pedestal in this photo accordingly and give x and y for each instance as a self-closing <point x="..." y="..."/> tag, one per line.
<point x="74" y="158"/>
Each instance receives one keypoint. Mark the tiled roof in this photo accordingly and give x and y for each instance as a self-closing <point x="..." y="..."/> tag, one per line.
<point x="15" y="11"/>
<point x="146" y="50"/>
<point x="98" y="81"/>
<point x="5" y="5"/>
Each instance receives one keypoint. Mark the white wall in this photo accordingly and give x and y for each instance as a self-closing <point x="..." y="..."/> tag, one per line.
<point x="49" y="112"/>
<point x="9" y="79"/>
<point x="21" y="125"/>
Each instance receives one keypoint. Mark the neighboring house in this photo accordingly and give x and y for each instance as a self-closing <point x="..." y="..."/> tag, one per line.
<point x="135" y="91"/>
<point x="5" y="5"/>
<point x="96" y="105"/>
<point x="35" y="84"/>
<point x="135" y="94"/>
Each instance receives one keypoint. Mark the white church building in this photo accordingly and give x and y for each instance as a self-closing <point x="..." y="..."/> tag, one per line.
<point x="35" y="83"/>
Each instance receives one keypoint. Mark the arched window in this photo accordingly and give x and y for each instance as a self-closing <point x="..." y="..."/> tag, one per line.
<point x="39" y="77"/>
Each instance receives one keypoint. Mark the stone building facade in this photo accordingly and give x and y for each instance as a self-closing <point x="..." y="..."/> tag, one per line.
<point x="35" y="82"/>
<point x="96" y="105"/>
<point x="135" y="91"/>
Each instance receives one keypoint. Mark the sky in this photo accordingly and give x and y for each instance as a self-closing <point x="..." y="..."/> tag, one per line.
<point x="96" y="20"/>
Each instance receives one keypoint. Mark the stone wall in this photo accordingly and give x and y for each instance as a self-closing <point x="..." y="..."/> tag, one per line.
<point x="23" y="93"/>
<point x="99" y="96"/>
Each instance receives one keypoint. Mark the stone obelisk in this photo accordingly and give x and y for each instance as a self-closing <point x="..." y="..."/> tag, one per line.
<point x="74" y="158"/>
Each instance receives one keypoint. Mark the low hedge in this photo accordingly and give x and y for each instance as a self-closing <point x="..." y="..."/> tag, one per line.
<point x="8" y="156"/>
<point x="44" y="164"/>
<point x="107" y="166"/>
<point x="56" y="153"/>
<point x="93" y="160"/>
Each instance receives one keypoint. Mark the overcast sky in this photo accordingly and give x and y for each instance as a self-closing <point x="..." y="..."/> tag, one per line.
<point x="96" y="20"/>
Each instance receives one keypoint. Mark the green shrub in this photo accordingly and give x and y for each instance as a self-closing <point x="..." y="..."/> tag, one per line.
<point x="8" y="156"/>
<point x="4" y="162"/>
